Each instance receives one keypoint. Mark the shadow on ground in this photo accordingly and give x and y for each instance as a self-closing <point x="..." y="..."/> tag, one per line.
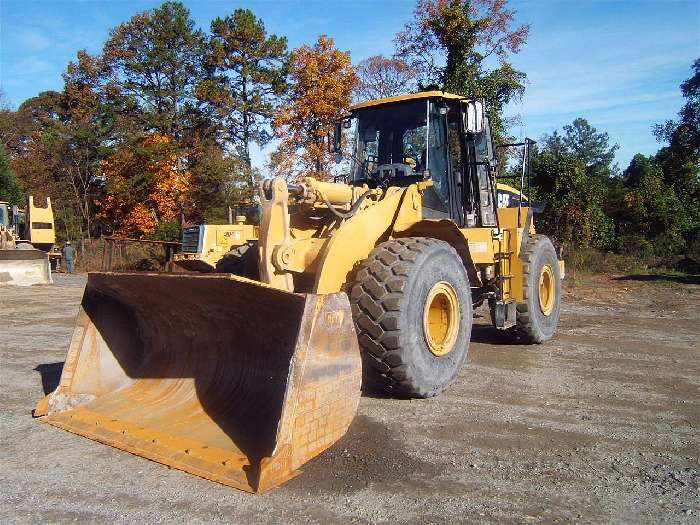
<point x="488" y="334"/>
<point x="671" y="277"/>
<point x="50" y="375"/>
<point x="369" y="453"/>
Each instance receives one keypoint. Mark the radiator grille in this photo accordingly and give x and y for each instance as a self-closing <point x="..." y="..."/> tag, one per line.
<point x="190" y="239"/>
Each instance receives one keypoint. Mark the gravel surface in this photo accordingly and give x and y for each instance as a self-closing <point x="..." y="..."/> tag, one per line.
<point x="599" y="425"/>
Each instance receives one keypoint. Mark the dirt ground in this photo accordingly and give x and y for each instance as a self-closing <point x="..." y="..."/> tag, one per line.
<point x="599" y="425"/>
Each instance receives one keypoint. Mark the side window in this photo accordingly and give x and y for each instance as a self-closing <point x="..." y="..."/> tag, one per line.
<point x="454" y="139"/>
<point x="437" y="154"/>
<point x="484" y="153"/>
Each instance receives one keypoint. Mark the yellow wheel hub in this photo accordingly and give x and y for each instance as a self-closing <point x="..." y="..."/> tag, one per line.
<point x="547" y="290"/>
<point x="441" y="318"/>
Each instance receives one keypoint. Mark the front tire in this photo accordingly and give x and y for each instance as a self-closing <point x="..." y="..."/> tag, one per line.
<point x="412" y="307"/>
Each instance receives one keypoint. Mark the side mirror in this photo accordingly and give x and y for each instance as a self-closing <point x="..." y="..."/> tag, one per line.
<point x="334" y="139"/>
<point x="473" y="116"/>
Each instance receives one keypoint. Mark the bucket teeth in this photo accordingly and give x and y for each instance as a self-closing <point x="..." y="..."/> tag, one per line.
<point x="215" y="375"/>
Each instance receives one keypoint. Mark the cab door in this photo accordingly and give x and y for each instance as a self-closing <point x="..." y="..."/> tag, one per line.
<point x="473" y="169"/>
<point x="485" y="170"/>
<point x="437" y="199"/>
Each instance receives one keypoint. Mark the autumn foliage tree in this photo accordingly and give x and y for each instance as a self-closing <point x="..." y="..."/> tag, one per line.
<point x="464" y="46"/>
<point x="152" y="67"/>
<point x="144" y="187"/>
<point x="381" y="77"/>
<point x="322" y="81"/>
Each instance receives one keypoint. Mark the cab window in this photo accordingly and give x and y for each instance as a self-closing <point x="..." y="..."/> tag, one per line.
<point x="437" y="152"/>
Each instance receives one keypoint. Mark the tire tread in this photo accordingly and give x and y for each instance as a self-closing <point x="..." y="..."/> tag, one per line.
<point x="526" y="329"/>
<point x="376" y="298"/>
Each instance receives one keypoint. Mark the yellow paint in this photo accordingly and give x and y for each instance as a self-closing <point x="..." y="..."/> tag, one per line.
<point x="40" y="223"/>
<point x="510" y="189"/>
<point x="353" y="241"/>
<point x="328" y="248"/>
<point x="441" y="318"/>
<point x="218" y="239"/>
<point x="411" y="210"/>
<point x="508" y="218"/>
<point x="275" y="235"/>
<point x="547" y="290"/>
<point x="301" y="255"/>
<point x="513" y="265"/>
<point x="336" y="194"/>
<point x="412" y="96"/>
<point x="481" y="244"/>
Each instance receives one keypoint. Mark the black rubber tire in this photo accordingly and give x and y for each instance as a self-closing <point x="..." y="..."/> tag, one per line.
<point x="532" y="325"/>
<point x="388" y="298"/>
<point x="241" y="260"/>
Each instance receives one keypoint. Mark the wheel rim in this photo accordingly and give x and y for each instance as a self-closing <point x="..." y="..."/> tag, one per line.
<point x="547" y="290"/>
<point x="441" y="318"/>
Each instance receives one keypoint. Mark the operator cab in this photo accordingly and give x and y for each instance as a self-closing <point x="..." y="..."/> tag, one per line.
<point x="4" y="217"/>
<point x="401" y="140"/>
<point x="12" y="218"/>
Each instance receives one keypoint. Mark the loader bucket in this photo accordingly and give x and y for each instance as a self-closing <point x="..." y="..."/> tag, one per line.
<point x="216" y="375"/>
<point x="24" y="267"/>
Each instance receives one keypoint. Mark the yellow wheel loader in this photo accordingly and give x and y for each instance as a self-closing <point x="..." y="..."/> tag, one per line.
<point x="241" y="379"/>
<point x="26" y="239"/>
<point x="215" y="248"/>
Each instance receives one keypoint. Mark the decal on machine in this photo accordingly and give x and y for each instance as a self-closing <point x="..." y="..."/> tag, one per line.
<point x="478" y="246"/>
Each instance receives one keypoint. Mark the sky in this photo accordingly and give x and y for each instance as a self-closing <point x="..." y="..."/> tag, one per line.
<point x="618" y="63"/>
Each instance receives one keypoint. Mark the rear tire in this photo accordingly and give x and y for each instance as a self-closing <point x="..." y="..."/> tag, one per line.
<point x="242" y="260"/>
<point x="538" y="315"/>
<point x="411" y="303"/>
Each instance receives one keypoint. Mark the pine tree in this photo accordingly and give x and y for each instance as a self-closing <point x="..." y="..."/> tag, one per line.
<point x="155" y="65"/>
<point x="249" y="70"/>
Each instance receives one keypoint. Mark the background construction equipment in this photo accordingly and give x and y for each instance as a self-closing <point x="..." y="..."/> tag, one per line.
<point x="27" y="237"/>
<point x="214" y="247"/>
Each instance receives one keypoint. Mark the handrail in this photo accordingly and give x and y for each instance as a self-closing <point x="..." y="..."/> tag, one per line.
<point x="132" y="239"/>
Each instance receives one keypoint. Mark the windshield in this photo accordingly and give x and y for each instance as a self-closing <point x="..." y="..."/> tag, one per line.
<point x="390" y="141"/>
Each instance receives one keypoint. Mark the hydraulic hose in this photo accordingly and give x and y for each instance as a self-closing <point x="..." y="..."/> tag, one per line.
<point x="353" y="209"/>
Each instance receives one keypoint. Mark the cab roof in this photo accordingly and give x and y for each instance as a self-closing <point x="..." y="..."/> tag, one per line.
<point x="412" y="96"/>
